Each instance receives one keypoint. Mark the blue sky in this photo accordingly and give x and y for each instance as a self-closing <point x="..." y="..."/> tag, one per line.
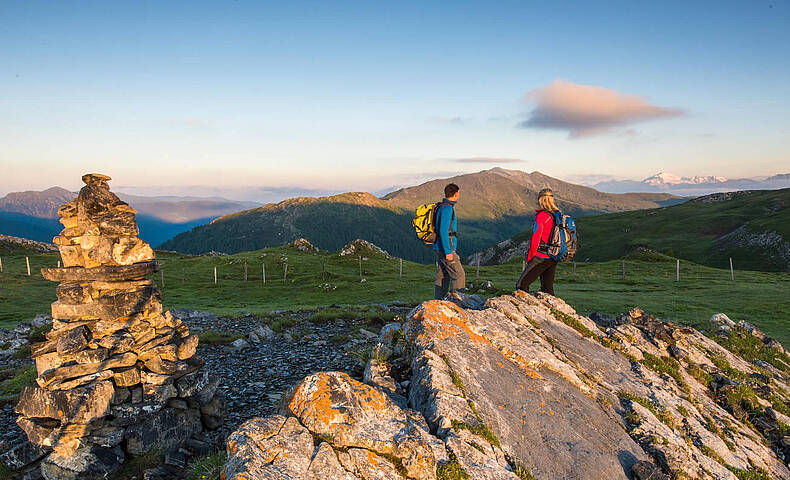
<point x="366" y="95"/>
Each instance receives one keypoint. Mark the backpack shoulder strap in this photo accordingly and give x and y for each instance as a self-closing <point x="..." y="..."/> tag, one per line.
<point x="557" y="217"/>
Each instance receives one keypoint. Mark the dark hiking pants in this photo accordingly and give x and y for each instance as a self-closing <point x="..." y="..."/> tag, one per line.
<point x="538" y="267"/>
<point x="449" y="274"/>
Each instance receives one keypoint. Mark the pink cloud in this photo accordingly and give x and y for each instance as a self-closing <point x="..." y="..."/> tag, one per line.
<point x="583" y="110"/>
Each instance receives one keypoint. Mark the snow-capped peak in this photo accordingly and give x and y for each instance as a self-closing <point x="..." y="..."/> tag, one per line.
<point x="670" y="179"/>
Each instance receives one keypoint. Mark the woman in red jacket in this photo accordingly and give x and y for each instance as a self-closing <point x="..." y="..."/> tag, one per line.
<point x="538" y="262"/>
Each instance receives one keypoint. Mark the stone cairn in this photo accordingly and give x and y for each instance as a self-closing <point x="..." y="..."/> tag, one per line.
<point x="116" y="375"/>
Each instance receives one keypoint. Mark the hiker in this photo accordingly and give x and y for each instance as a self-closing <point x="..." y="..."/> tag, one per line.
<point x="539" y="264"/>
<point x="449" y="273"/>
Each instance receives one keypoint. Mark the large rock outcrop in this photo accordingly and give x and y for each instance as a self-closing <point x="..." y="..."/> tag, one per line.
<point x="524" y="387"/>
<point x="116" y="375"/>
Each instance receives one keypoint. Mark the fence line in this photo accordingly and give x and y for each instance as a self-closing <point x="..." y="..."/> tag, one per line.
<point x="630" y="270"/>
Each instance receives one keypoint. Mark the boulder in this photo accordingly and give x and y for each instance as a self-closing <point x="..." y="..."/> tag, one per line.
<point x="264" y="332"/>
<point x="87" y="463"/>
<point x="213" y="413"/>
<point x="78" y="405"/>
<point x="272" y="448"/>
<point x="22" y="455"/>
<point x="192" y="383"/>
<point x="165" y="430"/>
<point x="73" y="341"/>
<point x="40" y="320"/>
<point x="363" y="434"/>
<point x="533" y="412"/>
<point x="239" y="344"/>
<point x="388" y="332"/>
<point x="721" y="319"/>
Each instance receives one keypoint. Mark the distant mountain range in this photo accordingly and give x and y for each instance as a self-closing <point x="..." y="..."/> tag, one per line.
<point x="751" y="227"/>
<point x="33" y="215"/>
<point x="495" y="204"/>
<point x="693" y="186"/>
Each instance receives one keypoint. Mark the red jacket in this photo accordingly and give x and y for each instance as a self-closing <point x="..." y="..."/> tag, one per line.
<point x="542" y="230"/>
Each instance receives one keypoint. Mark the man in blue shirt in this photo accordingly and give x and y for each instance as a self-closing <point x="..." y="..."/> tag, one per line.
<point x="449" y="272"/>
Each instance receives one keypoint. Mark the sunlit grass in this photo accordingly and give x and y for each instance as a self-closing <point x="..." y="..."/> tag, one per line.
<point x="322" y="279"/>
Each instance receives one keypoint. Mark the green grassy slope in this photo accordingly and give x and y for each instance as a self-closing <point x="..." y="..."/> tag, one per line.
<point x="751" y="227"/>
<point x="495" y="204"/>
<point x="759" y="297"/>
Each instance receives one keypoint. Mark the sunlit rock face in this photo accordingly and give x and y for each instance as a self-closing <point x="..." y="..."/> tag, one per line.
<point x="522" y="386"/>
<point x="116" y="375"/>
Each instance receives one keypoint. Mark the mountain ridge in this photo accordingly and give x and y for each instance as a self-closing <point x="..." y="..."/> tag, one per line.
<point x="693" y="186"/>
<point x="33" y="214"/>
<point x="494" y="204"/>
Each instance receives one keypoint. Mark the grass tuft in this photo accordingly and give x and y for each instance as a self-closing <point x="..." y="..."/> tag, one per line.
<point x="11" y="387"/>
<point x="218" y="338"/>
<point x="523" y="472"/>
<point x="665" y="365"/>
<point x="573" y="323"/>
<point x="699" y="374"/>
<point x="660" y="413"/>
<point x="208" y="467"/>
<point x="480" y="430"/>
<point x="39" y="334"/>
<point x="451" y="469"/>
<point x="751" y="348"/>
<point x="748" y="475"/>
<point x="22" y="353"/>
<point x="133" y="467"/>
<point x="6" y="473"/>
<point x="706" y="450"/>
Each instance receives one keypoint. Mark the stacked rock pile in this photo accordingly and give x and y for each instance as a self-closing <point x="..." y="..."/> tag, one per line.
<point x="116" y="375"/>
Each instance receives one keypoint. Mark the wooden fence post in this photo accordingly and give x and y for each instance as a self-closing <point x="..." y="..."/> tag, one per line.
<point x="732" y="272"/>
<point x="1" y="265"/>
<point x="27" y="262"/>
<point x="677" y="271"/>
<point x="263" y="272"/>
<point x="245" y="271"/>
<point x="215" y="275"/>
<point x="623" y="269"/>
<point x="285" y="272"/>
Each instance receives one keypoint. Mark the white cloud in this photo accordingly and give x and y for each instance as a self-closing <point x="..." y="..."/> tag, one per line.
<point x="583" y="110"/>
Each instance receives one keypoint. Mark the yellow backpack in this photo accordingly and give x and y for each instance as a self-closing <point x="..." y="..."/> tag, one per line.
<point x="424" y="222"/>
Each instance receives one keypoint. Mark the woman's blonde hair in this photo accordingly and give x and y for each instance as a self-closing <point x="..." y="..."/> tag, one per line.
<point x="546" y="200"/>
